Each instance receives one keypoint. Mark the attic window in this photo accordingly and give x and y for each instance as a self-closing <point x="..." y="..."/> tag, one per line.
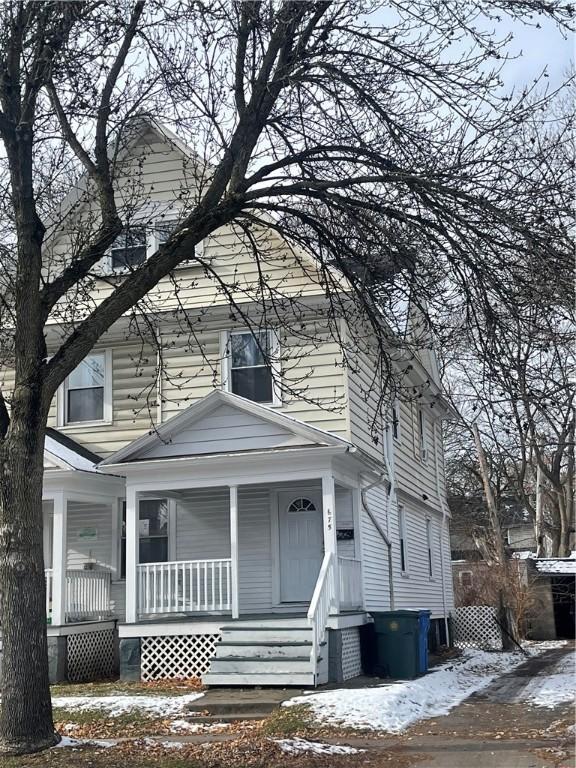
<point x="129" y="249"/>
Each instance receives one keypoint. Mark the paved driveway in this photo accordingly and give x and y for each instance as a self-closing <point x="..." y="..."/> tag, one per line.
<point x="497" y="728"/>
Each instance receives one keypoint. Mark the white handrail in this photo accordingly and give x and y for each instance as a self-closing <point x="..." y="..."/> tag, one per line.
<point x="350" y="579"/>
<point x="320" y="605"/>
<point x="185" y="586"/>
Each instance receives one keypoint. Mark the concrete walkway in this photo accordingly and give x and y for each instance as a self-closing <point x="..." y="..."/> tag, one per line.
<point x="494" y="728"/>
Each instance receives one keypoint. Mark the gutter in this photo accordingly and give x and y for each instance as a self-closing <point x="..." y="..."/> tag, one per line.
<point x="374" y="519"/>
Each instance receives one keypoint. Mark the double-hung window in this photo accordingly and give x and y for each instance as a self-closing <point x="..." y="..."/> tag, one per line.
<point x="248" y="365"/>
<point x="86" y="393"/>
<point x="429" y="540"/>
<point x="129" y="249"/>
<point x="153" y="521"/>
<point x="422" y="435"/>
<point x="395" y="415"/>
<point x="402" y="539"/>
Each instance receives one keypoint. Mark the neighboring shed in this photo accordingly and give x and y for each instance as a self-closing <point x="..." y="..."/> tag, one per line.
<point x="552" y="581"/>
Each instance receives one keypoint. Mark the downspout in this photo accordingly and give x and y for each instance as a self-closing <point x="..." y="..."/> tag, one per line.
<point x="443" y="530"/>
<point x="381" y="531"/>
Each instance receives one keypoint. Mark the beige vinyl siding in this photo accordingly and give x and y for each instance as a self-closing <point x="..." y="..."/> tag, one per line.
<point x="133" y="402"/>
<point x="203" y="532"/>
<point x="345" y="519"/>
<point x="375" y="552"/>
<point x="364" y="389"/>
<point x="80" y="550"/>
<point x="412" y="474"/>
<point x="416" y="589"/>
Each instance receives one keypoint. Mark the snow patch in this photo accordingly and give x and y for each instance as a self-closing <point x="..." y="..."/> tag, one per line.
<point x="394" y="706"/>
<point x="163" y="706"/>
<point x="298" y="746"/>
<point x="178" y="726"/>
<point x="553" y="689"/>
<point x="67" y="741"/>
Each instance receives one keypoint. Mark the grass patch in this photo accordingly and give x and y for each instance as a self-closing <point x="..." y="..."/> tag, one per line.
<point x="95" y="716"/>
<point x="115" y="687"/>
<point x="289" y="721"/>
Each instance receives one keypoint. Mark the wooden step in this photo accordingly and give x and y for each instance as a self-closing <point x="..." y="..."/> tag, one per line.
<point x="248" y="665"/>
<point x="259" y="635"/>
<point x="246" y="649"/>
<point x="262" y="678"/>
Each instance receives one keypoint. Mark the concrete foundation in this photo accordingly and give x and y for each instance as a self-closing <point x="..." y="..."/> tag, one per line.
<point x="58" y="659"/>
<point x="130" y="659"/>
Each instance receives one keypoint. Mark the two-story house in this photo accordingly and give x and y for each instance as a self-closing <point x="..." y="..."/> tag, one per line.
<point x="223" y="512"/>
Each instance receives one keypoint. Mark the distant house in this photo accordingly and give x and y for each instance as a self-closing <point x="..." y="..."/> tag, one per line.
<point x="246" y="537"/>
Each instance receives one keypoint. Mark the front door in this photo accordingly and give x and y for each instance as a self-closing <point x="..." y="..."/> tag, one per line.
<point x="301" y="545"/>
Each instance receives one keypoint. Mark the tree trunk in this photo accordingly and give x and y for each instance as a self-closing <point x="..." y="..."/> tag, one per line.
<point x="26" y="715"/>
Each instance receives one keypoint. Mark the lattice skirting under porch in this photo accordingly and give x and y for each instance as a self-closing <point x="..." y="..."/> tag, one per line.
<point x="91" y="656"/>
<point x="351" y="658"/>
<point x="182" y="656"/>
<point x="474" y="626"/>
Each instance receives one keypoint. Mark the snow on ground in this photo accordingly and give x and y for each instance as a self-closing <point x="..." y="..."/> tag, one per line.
<point x="185" y="726"/>
<point x="558" y="687"/>
<point x="66" y="741"/>
<point x="297" y="746"/>
<point x="162" y="706"/>
<point x="393" y="707"/>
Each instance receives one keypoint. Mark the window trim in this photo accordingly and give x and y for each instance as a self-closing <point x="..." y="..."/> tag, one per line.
<point x="402" y="541"/>
<point x="429" y="545"/>
<point x="422" y="450"/>
<point x="107" y="407"/>
<point x="226" y="362"/>
<point x="152" y="245"/>
<point x="171" y="533"/>
<point x="395" y="421"/>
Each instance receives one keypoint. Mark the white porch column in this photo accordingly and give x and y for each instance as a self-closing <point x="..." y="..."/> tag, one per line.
<point x="234" y="548"/>
<point x="132" y="551"/>
<point x="330" y="543"/>
<point x="59" y="552"/>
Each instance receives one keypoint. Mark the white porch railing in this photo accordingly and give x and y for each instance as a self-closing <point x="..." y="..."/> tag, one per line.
<point x="320" y="605"/>
<point x="87" y="594"/>
<point x="350" y="576"/>
<point x="192" y="586"/>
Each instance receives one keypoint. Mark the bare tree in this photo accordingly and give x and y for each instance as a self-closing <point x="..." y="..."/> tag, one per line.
<point x="352" y="130"/>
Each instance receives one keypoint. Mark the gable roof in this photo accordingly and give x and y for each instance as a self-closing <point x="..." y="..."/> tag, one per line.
<point x="163" y="440"/>
<point x="64" y="453"/>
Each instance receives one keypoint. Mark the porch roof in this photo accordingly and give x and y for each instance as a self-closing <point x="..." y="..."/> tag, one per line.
<point x="223" y="424"/>
<point x="62" y="452"/>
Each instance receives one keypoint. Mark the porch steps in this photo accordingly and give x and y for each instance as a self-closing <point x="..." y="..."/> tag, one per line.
<point x="219" y="705"/>
<point x="271" y="652"/>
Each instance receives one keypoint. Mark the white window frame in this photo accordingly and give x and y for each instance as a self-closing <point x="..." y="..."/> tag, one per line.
<point x="429" y="545"/>
<point x="395" y="420"/>
<point x="153" y="242"/>
<point x="107" y="410"/>
<point x="402" y="541"/>
<point x="226" y="361"/>
<point x="422" y="450"/>
<point x="120" y="510"/>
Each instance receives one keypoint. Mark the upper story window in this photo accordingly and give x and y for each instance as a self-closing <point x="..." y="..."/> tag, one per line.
<point x="402" y="538"/>
<point x="422" y="435"/>
<point x="395" y="414"/>
<point x="429" y="546"/>
<point x="248" y="367"/>
<point x="129" y="249"/>
<point x="137" y="243"/>
<point x="86" y="395"/>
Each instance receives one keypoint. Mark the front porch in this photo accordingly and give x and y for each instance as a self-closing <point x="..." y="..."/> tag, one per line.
<point x="266" y="545"/>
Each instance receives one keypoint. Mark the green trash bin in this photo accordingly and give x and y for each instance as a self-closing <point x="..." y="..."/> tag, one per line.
<point x="398" y="644"/>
